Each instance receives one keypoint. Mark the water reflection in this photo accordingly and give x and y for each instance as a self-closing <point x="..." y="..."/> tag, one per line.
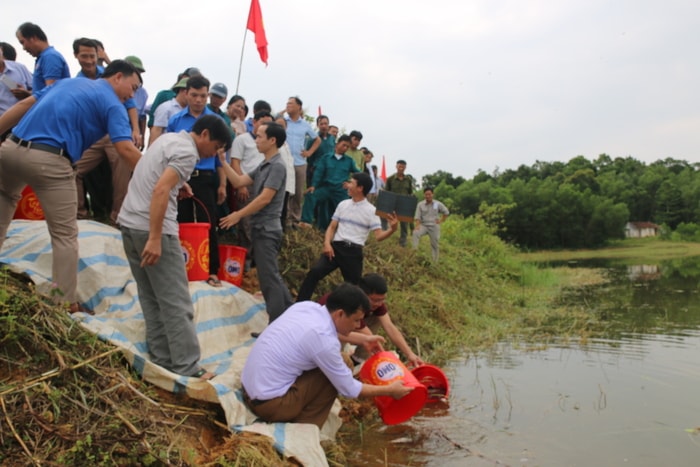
<point x="606" y="403"/>
<point x="628" y="397"/>
<point x="643" y="272"/>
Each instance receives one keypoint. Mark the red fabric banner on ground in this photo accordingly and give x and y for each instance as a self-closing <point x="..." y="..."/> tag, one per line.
<point x="255" y="24"/>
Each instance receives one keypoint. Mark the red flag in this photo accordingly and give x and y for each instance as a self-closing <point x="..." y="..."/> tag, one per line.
<point x="383" y="172"/>
<point x="255" y="24"/>
<point x="320" y="112"/>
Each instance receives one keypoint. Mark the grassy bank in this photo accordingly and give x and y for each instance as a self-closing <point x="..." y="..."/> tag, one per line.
<point x="68" y="398"/>
<point x="631" y="249"/>
<point x="480" y="292"/>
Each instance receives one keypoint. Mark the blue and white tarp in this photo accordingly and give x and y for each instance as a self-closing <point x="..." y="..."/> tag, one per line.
<point x="224" y="318"/>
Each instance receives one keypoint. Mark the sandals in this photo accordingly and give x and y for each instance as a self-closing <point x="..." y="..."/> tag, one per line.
<point x="76" y="307"/>
<point x="214" y="281"/>
<point x="204" y="375"/>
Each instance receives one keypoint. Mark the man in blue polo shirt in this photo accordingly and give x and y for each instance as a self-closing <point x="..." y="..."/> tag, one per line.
<point x="55" y="127"/>
<point x="208" y="180"/>
<point x="50" y="66"/>
<point x="85" y="51"/>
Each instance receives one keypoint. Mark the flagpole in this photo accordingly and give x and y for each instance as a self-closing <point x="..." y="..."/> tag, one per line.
<point x="240" y="65"/>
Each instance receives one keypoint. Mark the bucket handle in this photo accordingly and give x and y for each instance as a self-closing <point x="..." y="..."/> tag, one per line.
<point x="194" y="209"/>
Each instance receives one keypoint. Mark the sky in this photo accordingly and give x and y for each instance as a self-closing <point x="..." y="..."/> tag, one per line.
<point x="456" y="85"/>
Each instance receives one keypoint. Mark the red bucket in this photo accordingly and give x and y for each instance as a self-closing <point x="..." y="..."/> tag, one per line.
<point x="232" y="260"/>
<point x="435" y="380"/>
<point x="29" y="207"/>
<point x="194" y="239"/>
<point x="384" y="368"/>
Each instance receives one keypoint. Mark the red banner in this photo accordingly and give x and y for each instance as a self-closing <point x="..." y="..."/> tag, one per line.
<point x="255" y="24"/>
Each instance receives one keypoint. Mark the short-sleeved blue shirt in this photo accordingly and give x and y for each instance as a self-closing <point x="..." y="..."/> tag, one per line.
<point x="297" y="131"/>
<point x="100" y="72"/>
<point x="130" y="103"/>
<point x="184" y="120"/>
<point x="50" y="64"/>
<point x="73" y="114"/>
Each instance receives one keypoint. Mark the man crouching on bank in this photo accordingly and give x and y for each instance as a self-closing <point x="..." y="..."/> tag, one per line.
<point x="295" y="370"/>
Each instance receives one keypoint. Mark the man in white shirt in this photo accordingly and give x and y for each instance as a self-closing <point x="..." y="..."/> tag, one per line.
<point x="295" y="369"/>
<point x="346" y="235"/>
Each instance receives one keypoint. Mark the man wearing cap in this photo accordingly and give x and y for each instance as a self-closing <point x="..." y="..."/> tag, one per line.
<point x="168" y="109"/>
<point x="50" y="66"/>
<point x="208" y="180"/>
<point x="217" y="97"/>
<point x="85" y="51"/>
<point x="167" y="94"/>
<point x="140" y="99"/>
<point x="52" y="131"/>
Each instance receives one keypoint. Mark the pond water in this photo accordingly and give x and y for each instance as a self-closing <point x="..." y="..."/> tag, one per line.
<point x="631" y="398"/>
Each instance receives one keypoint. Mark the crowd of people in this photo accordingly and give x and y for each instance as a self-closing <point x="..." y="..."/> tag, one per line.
<point x="207" y="157"/>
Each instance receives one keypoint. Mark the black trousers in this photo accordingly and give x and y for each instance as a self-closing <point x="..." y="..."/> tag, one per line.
<point x="348" y="258"/>
<point x="204" y="187"/>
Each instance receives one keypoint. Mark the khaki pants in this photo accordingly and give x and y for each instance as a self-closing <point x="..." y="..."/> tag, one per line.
<point x="294" y="212"/>
<point x="308" y="400"/>
<point x="432" y="231"/>
<point x="121" y="174"/>
<point x="53" y="180"/>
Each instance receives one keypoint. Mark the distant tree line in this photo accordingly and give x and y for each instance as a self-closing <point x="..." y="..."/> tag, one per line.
<point x="579" y="203"/>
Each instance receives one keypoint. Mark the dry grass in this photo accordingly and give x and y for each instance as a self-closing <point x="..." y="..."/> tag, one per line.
<point x="67" y="398"/>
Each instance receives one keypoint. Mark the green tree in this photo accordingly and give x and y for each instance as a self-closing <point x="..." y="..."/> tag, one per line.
<point x="440" y="176"/>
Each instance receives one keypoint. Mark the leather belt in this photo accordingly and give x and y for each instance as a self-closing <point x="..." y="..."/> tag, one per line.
<point x="39" y="146"/>
<point x="346" y="244"/>
<point x="198" y="173"/>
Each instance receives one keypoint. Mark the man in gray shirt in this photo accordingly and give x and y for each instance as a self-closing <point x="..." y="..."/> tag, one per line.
<point x="430" y="213"/>
<point x="267" y="199"/>
<point x="148" y="220"/>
